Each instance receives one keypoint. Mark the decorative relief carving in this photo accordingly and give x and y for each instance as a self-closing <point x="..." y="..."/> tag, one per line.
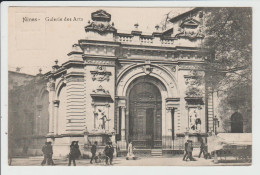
<point x="147" y="69"/>
<point x="101" y="90"/>
<point x="51" y="84"/>
<point x="184" y="66"/>
<point x="173" y="68"/>
<point x="99" y="62"/>
<point x="100" y="74"/>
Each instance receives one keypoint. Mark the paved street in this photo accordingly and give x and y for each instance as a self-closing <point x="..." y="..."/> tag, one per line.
<point x="142" y="161"/>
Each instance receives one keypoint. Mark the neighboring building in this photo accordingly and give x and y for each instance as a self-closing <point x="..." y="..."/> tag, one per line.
<point x="130" y="86"/>
<point x="28" y="115"/>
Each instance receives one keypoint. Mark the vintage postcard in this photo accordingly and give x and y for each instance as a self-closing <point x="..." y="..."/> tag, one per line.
<point x="129" y="86"/>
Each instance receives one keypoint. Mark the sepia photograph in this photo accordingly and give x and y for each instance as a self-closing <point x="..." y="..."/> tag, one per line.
<point x="129" y="86"/>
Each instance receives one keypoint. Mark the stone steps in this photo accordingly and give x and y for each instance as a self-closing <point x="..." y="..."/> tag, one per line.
<point x="156" y="152"/>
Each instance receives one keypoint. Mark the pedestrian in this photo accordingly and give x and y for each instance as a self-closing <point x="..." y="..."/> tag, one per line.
<point x="189" y="150"/>
<point x="93" y="152"/>
<point x="202" y="149"/>
<point x="74" y="152"/>
<point x="77" y="151"/>
<point x="109" y="151"/>
<point x="185" y="151"/>
<point x="206" y="153"/>
<point x="49" y="153"/>
<point x="44" y="149"/>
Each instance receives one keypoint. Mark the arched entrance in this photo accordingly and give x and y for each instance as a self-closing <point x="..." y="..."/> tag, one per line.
<point x="145" y="116"/>
<point x="236" y="123"/>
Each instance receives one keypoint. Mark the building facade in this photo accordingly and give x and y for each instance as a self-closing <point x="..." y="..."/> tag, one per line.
<point x="28" y="116"/>
<point x="130" y="87"/>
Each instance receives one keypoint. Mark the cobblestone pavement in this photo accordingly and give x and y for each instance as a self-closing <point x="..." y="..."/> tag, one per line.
<point x="142" y="161"/>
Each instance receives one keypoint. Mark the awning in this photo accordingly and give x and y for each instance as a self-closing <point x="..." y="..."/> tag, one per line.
<point x="217" y="142"/>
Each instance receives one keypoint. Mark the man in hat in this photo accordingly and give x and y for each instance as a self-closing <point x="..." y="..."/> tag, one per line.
<point x="107" y="152"/>
<point x="185" y="151"/>
<point x="111" y="152"/>
<point x="202" y="149"/>
<point x="189" y="150"/>
<point x="49" y="153"/>
<point x="44" y="149"/>
<point x="93" y="151"/>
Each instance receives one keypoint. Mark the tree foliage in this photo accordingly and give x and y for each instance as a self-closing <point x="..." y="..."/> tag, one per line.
<point x="229" y="68"/>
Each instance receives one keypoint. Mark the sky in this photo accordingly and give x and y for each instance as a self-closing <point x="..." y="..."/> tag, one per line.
<point x="37" y="44"/>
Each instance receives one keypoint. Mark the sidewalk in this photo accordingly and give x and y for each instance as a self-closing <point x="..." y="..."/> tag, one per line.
<point x="121" y="161"/>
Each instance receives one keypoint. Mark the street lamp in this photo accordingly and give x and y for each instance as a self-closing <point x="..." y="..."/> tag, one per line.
<point x="215" y="124"/>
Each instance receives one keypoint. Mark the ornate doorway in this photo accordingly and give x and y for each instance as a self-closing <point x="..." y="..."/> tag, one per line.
<point x="145" y="116"/>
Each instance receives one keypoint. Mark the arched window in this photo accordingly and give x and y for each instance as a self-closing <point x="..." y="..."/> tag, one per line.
<point x="236" y="123"/>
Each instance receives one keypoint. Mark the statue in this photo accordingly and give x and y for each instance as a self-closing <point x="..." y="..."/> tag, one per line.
<point x="102" y="122"/>
<point x="130" y="154"/>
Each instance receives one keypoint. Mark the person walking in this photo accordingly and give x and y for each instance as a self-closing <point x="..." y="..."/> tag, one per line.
<point x="202" y="149"/>
<point x="111" y="152"/>
<point x="93" y="152"/>
<point x="185" y="151"/>
<point x="49" y="153"/>
<point x="107" y="152"/>
<point x="44" y="150"/>
<point x="189" y="150"/>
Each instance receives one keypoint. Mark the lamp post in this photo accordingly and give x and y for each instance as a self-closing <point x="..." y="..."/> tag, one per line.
<point x="215" y="125"/>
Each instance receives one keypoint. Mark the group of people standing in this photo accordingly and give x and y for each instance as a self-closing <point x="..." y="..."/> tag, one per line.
<point x="109" y="152"/>
<point x="48" y="152"/>
<point x="188" y="148"/>
<point x="75" y="153"/>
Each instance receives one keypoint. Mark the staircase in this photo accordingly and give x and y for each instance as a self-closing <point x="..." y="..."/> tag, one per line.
<point x="156" y="152"/>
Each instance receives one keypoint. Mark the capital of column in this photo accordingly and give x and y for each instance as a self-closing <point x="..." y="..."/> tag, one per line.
<point x="56" y="103"/>
<point x="122" y="107"/>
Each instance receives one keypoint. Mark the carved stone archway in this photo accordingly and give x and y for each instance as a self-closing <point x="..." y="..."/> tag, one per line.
<point x="159" y="77"/>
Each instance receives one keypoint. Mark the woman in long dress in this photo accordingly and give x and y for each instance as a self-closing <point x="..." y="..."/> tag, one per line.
<point x="130" y="153"/>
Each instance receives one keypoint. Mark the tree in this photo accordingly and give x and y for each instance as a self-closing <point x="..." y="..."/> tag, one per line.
<point x="228" y="71"/>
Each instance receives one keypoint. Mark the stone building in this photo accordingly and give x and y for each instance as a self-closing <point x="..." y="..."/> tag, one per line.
<point x="28" y="115"/>
<point x="131" y="87"/>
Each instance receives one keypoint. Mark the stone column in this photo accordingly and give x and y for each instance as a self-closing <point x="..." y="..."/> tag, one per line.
<point x="123" y="123"/>
<point x="56" y="111"/>
<point x="51" y="89"/>
<point x="122" y="143"/>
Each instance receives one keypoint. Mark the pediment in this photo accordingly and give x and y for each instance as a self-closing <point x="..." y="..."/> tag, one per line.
<point x="100" y="15"/>
<point x="190" y="22"/>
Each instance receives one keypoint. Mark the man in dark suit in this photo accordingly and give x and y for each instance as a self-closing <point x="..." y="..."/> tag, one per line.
<point x="202" y="149"/>
<point x="93" y="152"/>
<point x="185" y="150"/>
<point x="49" y="153"/>
<point x="44" y="149"/>
<point x="111" y="152"/>
<point x="189" y="150"/>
